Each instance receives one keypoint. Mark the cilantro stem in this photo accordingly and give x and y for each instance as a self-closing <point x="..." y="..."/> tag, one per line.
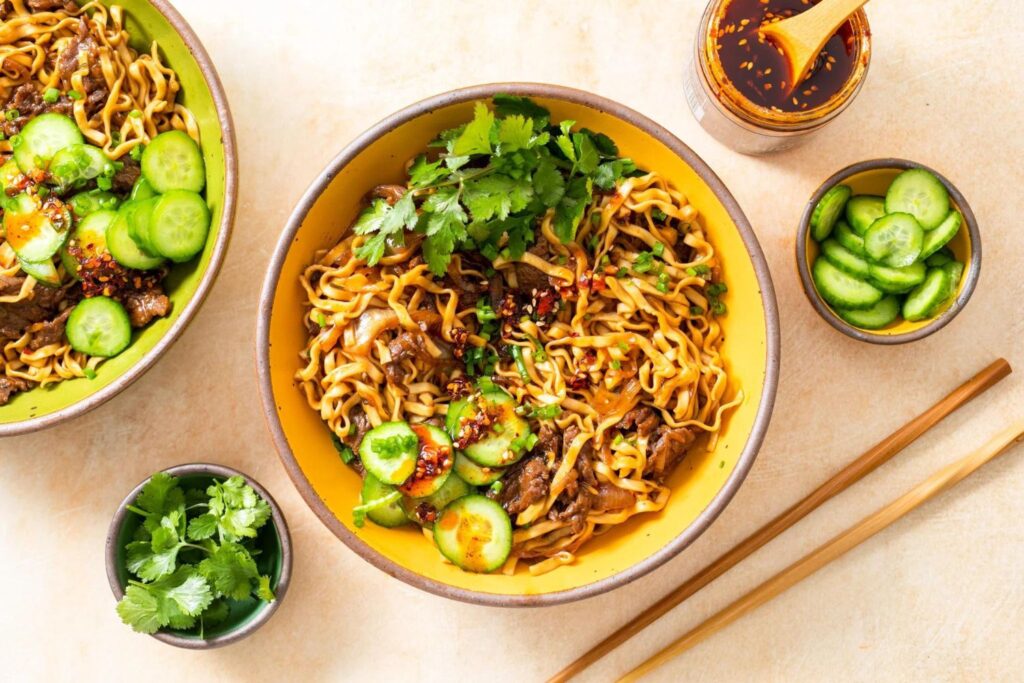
<point x="458" y="178"/>
<point x="137" y="511"/>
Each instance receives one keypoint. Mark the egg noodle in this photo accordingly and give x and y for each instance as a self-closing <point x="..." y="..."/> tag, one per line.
<point x="123" y="99"/>
<point x="616" y="343"/>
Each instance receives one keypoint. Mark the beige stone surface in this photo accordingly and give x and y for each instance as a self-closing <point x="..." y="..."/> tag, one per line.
<point x="936" y="597"/>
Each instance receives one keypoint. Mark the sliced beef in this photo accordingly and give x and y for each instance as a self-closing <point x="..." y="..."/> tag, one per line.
<point x="51" y="332"/>
<point x="528" y="278"/>
<point x="525" y="484"/>
<point x="10" y="386"/>
<point x="52" y="5"/>
<point x="143" y="306"/>
<point x="414" y="345"/>
<point x="81" y="48"/>
<point x="362" y="425"/>
<point x="27" y="100"/>
<point x="548" y="441"/>
<point x="670" y="447"/>
<point x="124" y="180"/>
<point x="643" y="419"/>
<point x="610" y="498"/>
<point x="576" y="499"/>
<point x="389" y="193"/>
<point x="41" y="305"/>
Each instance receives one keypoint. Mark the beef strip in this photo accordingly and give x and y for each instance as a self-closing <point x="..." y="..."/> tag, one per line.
<point x="83" y="47"/>
<point x="576" y="499"/>
<point x="529" y="278"/>
<point x="145" y="305"/>
<point x="642" y="418"/>
<point x="524" y="484"/>
<point x="41" y="305"/>
<point x="51" y="332"/>
<point x="389" y="193"/>
<point x="610" y="498"/>
<point x="27" y="100"/>
<point x="124" y="179"/>
<point x="670" y="447"/>
<point x="10" y="386"/>
<point x="414" y="345"/>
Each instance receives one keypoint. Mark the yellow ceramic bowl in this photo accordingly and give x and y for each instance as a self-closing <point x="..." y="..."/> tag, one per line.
<point x="701" y="488"/>
<point x="875" y="177"/>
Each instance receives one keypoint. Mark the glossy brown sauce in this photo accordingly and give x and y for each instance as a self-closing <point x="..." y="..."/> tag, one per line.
<point x="757" y="67"/>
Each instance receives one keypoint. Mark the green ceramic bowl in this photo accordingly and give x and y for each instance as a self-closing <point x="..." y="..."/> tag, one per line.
<point x="188" y="284"/>
<point x="274" y="560"/>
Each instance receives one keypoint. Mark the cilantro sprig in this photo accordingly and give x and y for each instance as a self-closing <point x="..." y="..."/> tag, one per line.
<point x="495" y="177"/>
<point x="193" y="553"/>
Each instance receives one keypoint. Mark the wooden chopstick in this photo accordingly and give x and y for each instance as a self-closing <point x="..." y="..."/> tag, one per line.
<point x="940" y="481"/>
<point x="852" y="473"/>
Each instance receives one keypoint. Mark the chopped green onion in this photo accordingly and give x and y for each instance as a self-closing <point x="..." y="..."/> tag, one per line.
<point x="496" y="487"/>
<point x="622" y="272"/>
<point x="663" y="283"/>
<point x="517" y="356"/>
<point x="659" y="215"/>
<point x="546" y="412"/>
<point x="595" y="218"/>
<point x="618" y="440"/>
<point x="104" y="183"/>
<point x="696" y="310"/>
<point x="593" y="242"/>
<point x="498" y="428"/>
<point x="12" y="114"/>
<point x="644" y="262"/>
<point x="539" y="354"/>
<point x="658" y="249"/>
<point x="623" y="347"/>
<point x="51" y="95"/>
<point x="136" y="152"/>
<point x="603" y="261"/>
<point x="321" y="319"/>
<point x="717" y="289"/>
<point x="699" y="269"/>
<point x="135" y="114"/>
<point x="90" y="373"/>
<point x="75" y="95"/>
<point x="484" y="312"/>
<point x="616" y="365"/>
<point x="718" y="308"/>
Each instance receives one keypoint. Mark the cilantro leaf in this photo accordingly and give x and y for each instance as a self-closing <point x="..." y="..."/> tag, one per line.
<point x="202" y="527"/>
<point x="496" y="196"/>
<point x="387" y="222"/>
<point x="508" y="105"/>
<point x="514" y="133"/>
<point x="371" y="218"/>
<point x="605" y="145"/>
<point x="476" y="137"/>
<point x="372" y="250"/>
<point x="192" y="595"/>
<point x="263" y="589"/>
<point x="424" y="174"/>
<point x="571" y="208"/>
<point x="157" y="496"/>
<point x="610" y="172"/>
<point x="548" y="184"/>
<point x="140" y="609"/>
<point x="586" y="153"/>
<point x="169" y="601"/>
<point x="217" y="612"/>
<point x="239" y="511"/>
<point x="231" y="571"/>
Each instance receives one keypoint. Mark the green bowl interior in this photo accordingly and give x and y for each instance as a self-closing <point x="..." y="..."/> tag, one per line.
<point x="145" y="24"/>
<point x="269" y="561"/>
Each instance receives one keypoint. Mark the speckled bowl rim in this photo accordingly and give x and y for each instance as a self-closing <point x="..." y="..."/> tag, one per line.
<point x="280" y="526"/>
<point x="220" y="248"/>
<point x="946" y="317"/>
<point x="772" y="345"/>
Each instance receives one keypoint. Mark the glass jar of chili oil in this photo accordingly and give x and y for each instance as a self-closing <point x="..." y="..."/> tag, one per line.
<point x="737" y="86"/>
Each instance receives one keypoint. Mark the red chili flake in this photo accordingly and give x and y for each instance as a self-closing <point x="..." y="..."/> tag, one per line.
<point x="460" y="336"/>
<point x="459" y="387"/>
<point x="545" y="302"/>
<point x="426" y="512"/>
<point x="579" y="381"/>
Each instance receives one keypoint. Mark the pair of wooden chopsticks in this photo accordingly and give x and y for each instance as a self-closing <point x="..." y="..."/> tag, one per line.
<point x="852" y="473"/>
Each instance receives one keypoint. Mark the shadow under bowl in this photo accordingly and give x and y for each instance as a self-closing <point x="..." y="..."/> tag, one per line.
<point x="274" y="560"/>
<point x="873" y="177"/>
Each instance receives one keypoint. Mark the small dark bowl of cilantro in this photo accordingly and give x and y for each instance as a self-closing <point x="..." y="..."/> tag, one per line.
<point x="198" y="556"/>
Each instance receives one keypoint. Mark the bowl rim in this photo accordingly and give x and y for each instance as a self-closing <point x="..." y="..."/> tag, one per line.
<point x="772" y="345"/>
<point x="280" y="527"/>
<point x="220" y="247"/>
<point x="973" y="272"/>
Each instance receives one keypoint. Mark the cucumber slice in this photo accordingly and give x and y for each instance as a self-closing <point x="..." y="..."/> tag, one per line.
<point x="172" y="161"/>
<point x="76" y="165"/>
<point x="475" y="474"/>
<point x="99" y="327"/>
<point x="828" y="211"/>
<point x="863" y="210"/>
<point x="894" y="240"/>
<point x="89" y="237"/>
<point x="451" y="419"/>
<point x="474" y="533"/>
<point x="940" y="258"/>
<point x="928" y="297"/>
<point x="179" y="225"/>
<point x="897" y="280"/>
<point x="956" y="272"/>
<point x="845" y="235"/>
<point x="139" y="215"/>
<point x="423" y="511"/>
<point x="390" y="515"/>
<point x="433" y="463"/>
<point x="123" y="248"/>
<point x="844" y="259"/>
<point x="841" y="290"/>
<point x="45" y="272"/>
<point x="505" y="432"/>
<point x="142" y="190"/>
<point x="10" y="175"/>
<point x="41" y="139"/>
<point x="35" y="230"/>
<point x="85" y="203"/>
<point x="878" y="316"/>
<point x="937" y="238"/>
<point x="389" y="452"/>
<point x="920" y="194"/>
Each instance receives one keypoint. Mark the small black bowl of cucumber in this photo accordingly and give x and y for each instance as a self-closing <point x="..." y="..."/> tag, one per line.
<point x="888" y="251"/>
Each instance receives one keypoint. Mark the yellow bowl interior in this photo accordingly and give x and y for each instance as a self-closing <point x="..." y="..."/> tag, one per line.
<point x="876" y="181"/>
<point x="695" y="484"/>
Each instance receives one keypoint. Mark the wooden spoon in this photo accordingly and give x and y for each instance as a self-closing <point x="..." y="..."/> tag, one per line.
<point x="802" y="37"/>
